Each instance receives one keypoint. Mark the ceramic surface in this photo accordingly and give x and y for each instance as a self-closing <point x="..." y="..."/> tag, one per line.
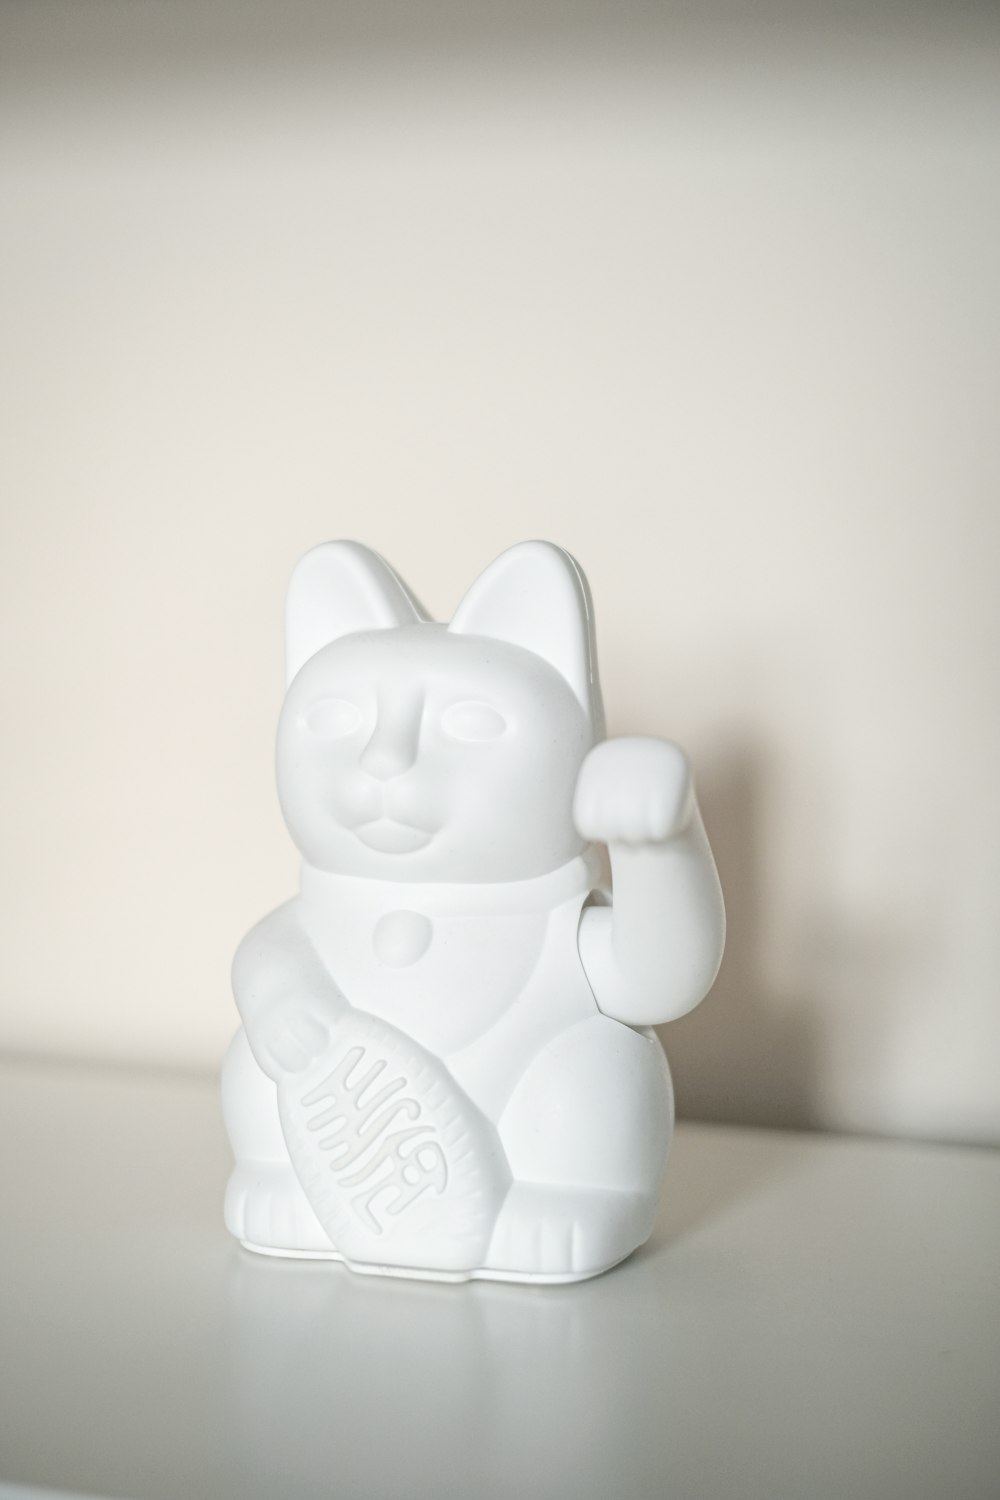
<point x="445" y="1067"/>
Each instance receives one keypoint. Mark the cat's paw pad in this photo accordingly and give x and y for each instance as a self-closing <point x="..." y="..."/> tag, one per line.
<point x="633" y="791"/>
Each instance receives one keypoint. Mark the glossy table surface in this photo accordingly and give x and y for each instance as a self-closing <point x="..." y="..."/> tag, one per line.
<point x="814" y="1316"/>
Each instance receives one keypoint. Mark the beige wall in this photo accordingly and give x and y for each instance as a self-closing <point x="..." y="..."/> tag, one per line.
<point x="714" y="305"/>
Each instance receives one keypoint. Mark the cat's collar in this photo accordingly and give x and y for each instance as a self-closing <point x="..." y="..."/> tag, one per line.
<point x="577" y="877"/>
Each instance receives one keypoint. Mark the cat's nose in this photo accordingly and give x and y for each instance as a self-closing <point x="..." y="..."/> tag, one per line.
<point x="392" y="748"/>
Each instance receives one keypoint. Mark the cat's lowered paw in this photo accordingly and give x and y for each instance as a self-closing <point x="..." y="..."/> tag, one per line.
<point x="290" y="1033"/>
<point x="266" y="1209"/>
<point x="547" y="1233"/>
<point x="633" y="790"/>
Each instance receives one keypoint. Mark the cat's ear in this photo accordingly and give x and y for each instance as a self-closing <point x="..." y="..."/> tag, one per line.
<point x="536" y="596"/>
<point x="339" y="588"/>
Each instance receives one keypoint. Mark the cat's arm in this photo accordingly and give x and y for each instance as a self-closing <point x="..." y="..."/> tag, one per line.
<point x="654" y="953"/>
<point x="286" y="999"/>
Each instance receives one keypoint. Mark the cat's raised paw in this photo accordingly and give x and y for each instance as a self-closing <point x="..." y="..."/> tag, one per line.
<point x="633" y="790"/>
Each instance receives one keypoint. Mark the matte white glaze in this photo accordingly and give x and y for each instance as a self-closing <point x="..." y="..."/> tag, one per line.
<point x="443" y="1068"/>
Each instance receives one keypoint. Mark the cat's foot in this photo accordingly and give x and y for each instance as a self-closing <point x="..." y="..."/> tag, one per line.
<point x="566" y="1234"/>
<point x="267" y="1210"/>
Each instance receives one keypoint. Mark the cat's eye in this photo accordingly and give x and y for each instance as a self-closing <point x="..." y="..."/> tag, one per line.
<point x="472" y="721"/>
<point x="332" y="718"/>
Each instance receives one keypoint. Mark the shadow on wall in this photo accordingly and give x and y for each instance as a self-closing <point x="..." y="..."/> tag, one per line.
<point x="744" y="1055"/>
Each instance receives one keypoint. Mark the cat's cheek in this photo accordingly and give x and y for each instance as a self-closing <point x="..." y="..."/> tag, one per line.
<point x="425" y="797"/>
<point x="353" y="798"/>
<point x="319" y="803"/>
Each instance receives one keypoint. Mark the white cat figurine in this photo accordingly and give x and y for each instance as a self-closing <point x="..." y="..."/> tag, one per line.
<point x="445" y="1068"/>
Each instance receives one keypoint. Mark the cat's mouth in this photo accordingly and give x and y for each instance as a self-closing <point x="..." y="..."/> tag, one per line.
<point x="386" y="836"/>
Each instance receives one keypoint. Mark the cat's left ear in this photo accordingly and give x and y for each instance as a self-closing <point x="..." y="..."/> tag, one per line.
<point x="536" y="596"/>
<point x="339" y="588"/>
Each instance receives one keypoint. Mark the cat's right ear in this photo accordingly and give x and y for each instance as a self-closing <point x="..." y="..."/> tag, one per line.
<point x="536" y="596"/>
<point x="339" y="588"/>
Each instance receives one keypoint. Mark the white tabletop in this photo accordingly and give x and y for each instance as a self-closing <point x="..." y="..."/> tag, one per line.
<point x="813" y="1317"/>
